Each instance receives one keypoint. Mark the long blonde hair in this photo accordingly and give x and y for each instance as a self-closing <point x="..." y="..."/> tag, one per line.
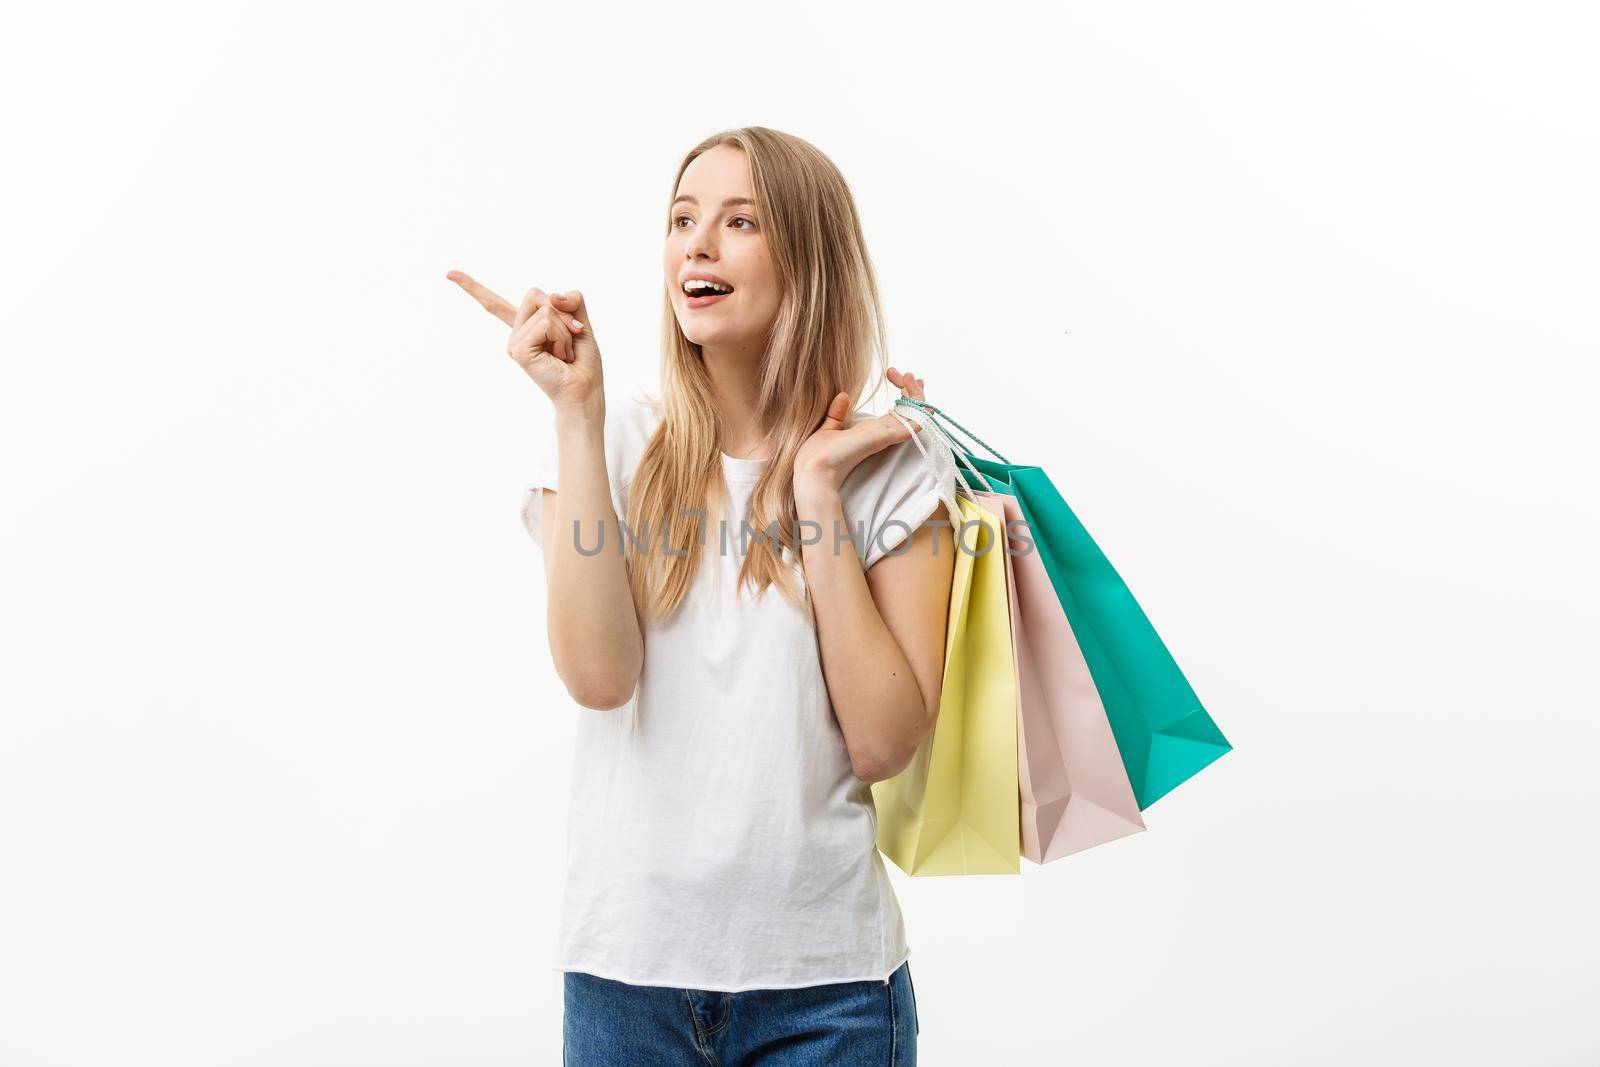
<point x="828" y="337"/>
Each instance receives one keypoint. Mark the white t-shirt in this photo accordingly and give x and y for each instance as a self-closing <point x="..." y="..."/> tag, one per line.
<point x="717" y="836"/>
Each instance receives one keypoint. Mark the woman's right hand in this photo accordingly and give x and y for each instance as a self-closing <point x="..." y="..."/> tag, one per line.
<point x="552" y="340"/>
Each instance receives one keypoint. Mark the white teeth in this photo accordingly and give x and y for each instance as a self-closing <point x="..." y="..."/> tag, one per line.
<point x="699" y="284"/>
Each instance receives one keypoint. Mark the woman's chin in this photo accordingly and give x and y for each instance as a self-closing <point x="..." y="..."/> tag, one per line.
<point x="697" y="333"/>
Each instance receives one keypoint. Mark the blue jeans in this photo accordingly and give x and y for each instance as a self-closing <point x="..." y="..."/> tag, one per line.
<point x="844" y="1024"/>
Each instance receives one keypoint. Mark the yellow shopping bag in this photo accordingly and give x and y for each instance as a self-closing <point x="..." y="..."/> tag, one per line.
<point x="954" y="809"/>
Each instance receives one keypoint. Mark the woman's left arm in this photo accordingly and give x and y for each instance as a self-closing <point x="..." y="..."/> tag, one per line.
<point x="881" y="631"/>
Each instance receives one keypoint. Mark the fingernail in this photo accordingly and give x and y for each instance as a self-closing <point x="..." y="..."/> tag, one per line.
<point x="577" y="325"/>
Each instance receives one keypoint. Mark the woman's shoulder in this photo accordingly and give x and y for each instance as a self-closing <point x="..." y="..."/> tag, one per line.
<point x="631" y="420"/>
<point x="913" y="462"/>
<point x="629" y="423"/>
<point x="637" y="408"/>
<point x="895" y="489"/>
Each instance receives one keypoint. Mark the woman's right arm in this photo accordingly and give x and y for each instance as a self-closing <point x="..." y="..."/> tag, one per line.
<point x="595" y="638"/>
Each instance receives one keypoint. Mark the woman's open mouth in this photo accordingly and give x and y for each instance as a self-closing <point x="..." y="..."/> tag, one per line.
<point x="699" y="294"/>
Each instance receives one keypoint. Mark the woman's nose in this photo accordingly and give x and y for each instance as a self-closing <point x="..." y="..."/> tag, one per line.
<point x="701" y="244"/>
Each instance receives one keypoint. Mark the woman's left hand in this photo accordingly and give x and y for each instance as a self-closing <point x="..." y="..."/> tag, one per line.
<point x="833" y="450"/>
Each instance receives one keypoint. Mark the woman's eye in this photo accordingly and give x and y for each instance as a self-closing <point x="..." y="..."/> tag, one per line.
<point x="752" y="222"/>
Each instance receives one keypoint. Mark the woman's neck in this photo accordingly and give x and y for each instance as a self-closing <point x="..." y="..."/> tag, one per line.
<point x="734" y="378"/>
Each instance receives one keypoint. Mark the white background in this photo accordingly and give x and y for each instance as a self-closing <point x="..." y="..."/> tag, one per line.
<point x="1295" y="302"/>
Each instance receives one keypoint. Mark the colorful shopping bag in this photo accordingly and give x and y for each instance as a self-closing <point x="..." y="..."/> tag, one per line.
<point x="1073" y="789"/>
<point x="1072" y="784"/>
<point x="953" y="810"/>
<point x="1163" y="733"/>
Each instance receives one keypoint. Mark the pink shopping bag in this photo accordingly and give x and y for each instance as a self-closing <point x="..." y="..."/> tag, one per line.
<point x="1072" y="785"/>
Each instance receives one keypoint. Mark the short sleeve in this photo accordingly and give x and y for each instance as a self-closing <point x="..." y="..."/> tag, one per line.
<point x="891" y="493"/>
<point x="629" y="426"/>
<point x="545" y="472"/>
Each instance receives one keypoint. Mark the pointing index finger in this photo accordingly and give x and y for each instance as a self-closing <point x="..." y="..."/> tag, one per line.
<point x="492" y="302"/>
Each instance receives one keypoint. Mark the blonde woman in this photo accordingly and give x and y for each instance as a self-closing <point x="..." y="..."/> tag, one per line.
<point x="748" y="583"/>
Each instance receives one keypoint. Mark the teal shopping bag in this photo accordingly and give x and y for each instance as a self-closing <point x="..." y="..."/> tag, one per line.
<point x="1164" y="734"/>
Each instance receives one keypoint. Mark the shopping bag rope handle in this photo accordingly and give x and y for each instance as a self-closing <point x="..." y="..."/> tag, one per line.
<point x="946" y="495"/>
<point x="953" y="448"/>
<point x="940" y="414"/>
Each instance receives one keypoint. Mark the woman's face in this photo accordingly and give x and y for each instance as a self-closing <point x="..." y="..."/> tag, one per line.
<point x="716" y="231"/>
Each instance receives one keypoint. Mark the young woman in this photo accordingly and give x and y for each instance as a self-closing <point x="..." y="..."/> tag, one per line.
<point x="766" y="642"/>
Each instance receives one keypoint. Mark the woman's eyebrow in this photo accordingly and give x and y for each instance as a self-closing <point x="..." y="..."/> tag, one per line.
<point x="726" y="203"/>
